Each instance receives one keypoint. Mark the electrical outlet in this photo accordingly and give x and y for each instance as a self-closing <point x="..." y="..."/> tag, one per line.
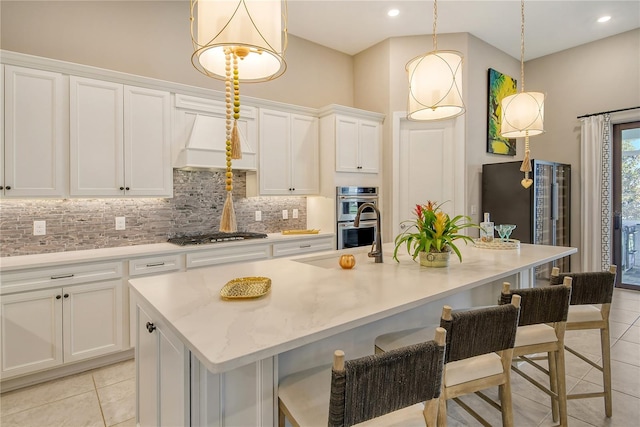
<point x="39" y="228"/>
<point x="285" y="214"/>
<point x="258" y="215"/>
<point x="120" y="223"/>
<point x="474" y="209"/>
<point x="295" y="214"/>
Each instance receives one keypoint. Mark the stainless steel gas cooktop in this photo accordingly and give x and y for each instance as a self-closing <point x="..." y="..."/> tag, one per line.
<point x="202" y="239"/>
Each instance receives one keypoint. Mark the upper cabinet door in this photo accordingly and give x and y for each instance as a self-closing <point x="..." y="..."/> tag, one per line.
<point x="357" y="145"/>
<point x="96" y="134"/>
<point x="346" y="144"/>
<point x="305" y="164"/>
<point x="369" y="146"/>
<point x="147" y="145"/>
<point x="275" y="152"/>
<point x="34" y="135"/>
<point x="120" y="140"/>
<point x="289" y="155"/>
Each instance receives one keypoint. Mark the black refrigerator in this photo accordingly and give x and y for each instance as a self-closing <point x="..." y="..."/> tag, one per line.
<point x="541" y="212"/>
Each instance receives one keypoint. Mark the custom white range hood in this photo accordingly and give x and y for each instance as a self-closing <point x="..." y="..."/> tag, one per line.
<point x="199" y="135"/>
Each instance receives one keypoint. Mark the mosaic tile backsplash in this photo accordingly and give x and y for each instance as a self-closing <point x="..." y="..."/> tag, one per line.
<point x="196" y="207"/>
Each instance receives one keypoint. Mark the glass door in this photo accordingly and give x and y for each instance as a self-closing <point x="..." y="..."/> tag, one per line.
<point x="626" y="203"/>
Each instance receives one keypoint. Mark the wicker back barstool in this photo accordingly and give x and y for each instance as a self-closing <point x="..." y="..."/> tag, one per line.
<point x="479" y="351"/>
<point x="399" y="388"/>
<point x="589" y="308"/>
<point x="543" y="317"/>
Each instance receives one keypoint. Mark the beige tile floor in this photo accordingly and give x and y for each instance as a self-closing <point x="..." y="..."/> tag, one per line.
<point x="106" y="397"/>
<point x="102" y="397"/>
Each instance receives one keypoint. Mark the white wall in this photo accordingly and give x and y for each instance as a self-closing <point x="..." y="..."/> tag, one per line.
<point x="393" y="55"/>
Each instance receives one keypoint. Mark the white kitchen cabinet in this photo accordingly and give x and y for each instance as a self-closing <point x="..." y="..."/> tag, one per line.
<point x="289" y="154"/>
<point x="303" y="246"/>
<point x="200" y="135"/>
<point x="162" y="370"/>
<point x="120" y="140"/>
<point x="357" y="145"/>
<point x="50" y="317"/>
<point x="31" y="331"/>
<point x="47" y="328"/>
<point x="149" y="266"/>
<point x="229" y="254"/>
<point x="35" y="140"/>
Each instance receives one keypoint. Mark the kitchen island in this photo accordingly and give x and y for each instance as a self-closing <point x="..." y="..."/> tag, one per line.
<point x="217" y="362"/>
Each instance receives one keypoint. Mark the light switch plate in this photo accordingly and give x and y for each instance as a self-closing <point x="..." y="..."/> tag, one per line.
<point x="295" y="213"/>
<point x="120" y="223"/>
<point x="285" y="214"/>
<point x="258" y="215"/>
<point x="39" y="228"/>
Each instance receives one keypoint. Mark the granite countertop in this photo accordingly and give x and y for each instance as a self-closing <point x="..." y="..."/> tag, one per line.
<point x="311" y="298"/>
<point x="20" y="262"/>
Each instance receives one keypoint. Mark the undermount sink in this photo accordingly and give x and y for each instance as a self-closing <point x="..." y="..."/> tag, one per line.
<point x="362" y="260"/>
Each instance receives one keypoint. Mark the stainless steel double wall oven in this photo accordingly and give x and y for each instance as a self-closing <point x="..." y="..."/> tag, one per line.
<point x="348" y="200"/>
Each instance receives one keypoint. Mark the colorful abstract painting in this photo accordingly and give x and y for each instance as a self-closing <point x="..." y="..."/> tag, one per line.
<point x="500" y="86"/>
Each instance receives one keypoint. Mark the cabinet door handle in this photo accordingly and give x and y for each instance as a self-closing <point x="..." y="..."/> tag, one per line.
<point x="58" y="296"/>
<point x="8" y="187"/>
<point x="305" y="246"/>
<point x="155" y="264"/>
<point x="121" y="188"/>
<point x="126" y="188"/>
<point x="151" y="327"/>
<point x="66" y="295"/>
<point x="1" y="187"/>
<point x="63" y="276"/>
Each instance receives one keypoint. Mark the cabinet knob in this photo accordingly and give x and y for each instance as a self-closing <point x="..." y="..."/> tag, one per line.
<point x="151" y="327"/>
<point x="126" y="188"/>
<point x="121" y="188"/>
<point x="66" y="295"/>
<point x="1" y="187"/>
<point x="8" y="187"/>
<point x="58" y="296"/>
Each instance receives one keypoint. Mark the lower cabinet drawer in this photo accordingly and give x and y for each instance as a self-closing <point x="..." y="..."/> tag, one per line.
<point x="154" y="265"/>
<point x="302" y="246"/>
<point x="42" y="278"/>
<point x="228" y="255"/>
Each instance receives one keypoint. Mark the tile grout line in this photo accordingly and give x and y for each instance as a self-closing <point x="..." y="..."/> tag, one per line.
<point x="95" y="389"/>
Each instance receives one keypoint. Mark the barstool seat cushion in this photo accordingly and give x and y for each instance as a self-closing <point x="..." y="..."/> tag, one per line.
<point x="473" y="368"/>
<point x="394" y="340"/>
<point x="307" y="394"/>
<point x="584" y="313"/>
<point x="535" y="334"/>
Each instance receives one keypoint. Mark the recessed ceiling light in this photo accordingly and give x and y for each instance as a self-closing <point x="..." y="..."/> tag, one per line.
<point x="393" y="12"/>
<point x="604" y="19"/>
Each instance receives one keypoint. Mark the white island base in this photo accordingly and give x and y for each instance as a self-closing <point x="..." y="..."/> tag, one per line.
<point x="204" y="361"/>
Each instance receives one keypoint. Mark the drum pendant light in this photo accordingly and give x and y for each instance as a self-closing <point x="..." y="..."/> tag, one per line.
<point x="253" y="30"/>
<point x="435" y="82"/>
<point x="251" y="35"/>
<point x="523" y="113"/>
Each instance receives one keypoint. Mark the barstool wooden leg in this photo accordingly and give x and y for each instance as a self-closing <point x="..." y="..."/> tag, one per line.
<point x="560" y="380"/>
<point x="553" y="383"/>
<point x="606" y="369"/>
<point x="431" y="412"/>
<point x="505" y="394"/>
<point x="442" y="410"/>
<point x="280" y="417"/>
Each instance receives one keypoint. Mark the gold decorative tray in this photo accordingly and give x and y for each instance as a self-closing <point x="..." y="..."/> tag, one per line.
<point x="312" y="231"/>
<point x="497" y="244"/>
<point x="246" y="287"/>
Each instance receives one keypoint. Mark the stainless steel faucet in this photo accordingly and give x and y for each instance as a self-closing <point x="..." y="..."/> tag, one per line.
<point x="376" y="248"/>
